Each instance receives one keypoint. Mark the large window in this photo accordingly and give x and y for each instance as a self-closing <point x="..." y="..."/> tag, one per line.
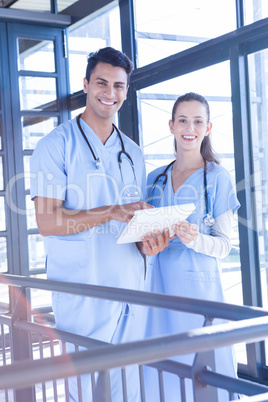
<point x="3" y="167"/>
<point x="176" y="25"/>
<point x="258" y="79"/>
<point x="41" y="6"/>
<point x="38" y="94"/>
<point x="255" y="10"/>
<point x="89" y="35"/>
<point x="37" y="105"/>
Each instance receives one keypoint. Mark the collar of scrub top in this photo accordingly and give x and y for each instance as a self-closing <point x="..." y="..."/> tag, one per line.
<point x="120" y="155"/>
<point x="208" y="220"/>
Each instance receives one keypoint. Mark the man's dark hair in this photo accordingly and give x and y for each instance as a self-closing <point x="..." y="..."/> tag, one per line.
<point x="111" y="56"/>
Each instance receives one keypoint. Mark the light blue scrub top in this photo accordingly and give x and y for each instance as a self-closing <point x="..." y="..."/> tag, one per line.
<point x="181" y="271"/>
<point x="62" y="167"/>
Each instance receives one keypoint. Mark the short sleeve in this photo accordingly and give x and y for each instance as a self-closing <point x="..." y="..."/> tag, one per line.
<point x="222" y="196"/>
<point x="47" y="167"/>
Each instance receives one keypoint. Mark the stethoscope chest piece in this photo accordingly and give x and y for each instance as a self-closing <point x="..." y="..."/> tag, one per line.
<point x="98" y="163"/>
<point x="209" y="220"/>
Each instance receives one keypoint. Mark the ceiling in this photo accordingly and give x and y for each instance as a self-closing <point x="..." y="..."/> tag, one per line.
<point x="33" y="5"/>
<point x="75" y="9"/>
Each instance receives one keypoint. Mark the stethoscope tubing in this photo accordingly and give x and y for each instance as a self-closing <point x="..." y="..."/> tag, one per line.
<point x="97" y="160"/>
<point x="164" y="174"/>
<point x="119" y="158"/>
<point x="208" y="220"/>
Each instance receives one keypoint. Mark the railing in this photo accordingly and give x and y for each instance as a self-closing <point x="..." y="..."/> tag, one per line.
<point x="23" y="336"/>
<point x="258" y="398"/>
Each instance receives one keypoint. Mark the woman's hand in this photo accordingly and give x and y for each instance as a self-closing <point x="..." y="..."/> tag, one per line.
<point x="186" y="231"/>
<point x="154" y="243"/>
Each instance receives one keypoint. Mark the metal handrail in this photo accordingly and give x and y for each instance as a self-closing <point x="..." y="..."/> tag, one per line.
<point x="26" y="373"/>
<point x="248" y="324"/>
<point x="188" y="305"/>
<point x="256" y="398"/>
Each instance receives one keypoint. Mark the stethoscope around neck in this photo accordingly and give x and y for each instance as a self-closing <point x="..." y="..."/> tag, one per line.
<point x="119" y="158"/>
<point x="208" y="220"/>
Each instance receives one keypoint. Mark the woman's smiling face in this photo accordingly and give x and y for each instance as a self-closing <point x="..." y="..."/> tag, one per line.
<point x="190" y="125"/>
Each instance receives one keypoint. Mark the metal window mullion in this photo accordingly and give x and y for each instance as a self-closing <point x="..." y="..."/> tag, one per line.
<point x="142" y="385"/>
<point x="247" y="223"/>
<point x="170" y="37"/>
<point x="18" y="218"/>
<point x="79" y="382"/>
<point x="37" y="74"/>
<point x="61" y="70"/>
<point x="7" y="147"/>
<point x="127" y="29"/>
<point x="124" y="384"/>
<point x="183" y="389"/>
<point x="161" y="386"/>
<point x="128" y="113"/>
<point x="66" y="382"/>
<point x="41" y="356"/>
<point x="52" y="354"/>
<point x="239" y="13"/>
<point x="54" y="6"/>
<point x="4" y="355"/>
<point x="259" y="67"/>
<point x="93" y="382"/>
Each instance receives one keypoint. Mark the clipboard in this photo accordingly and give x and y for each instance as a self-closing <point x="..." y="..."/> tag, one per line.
<point x="148" y="220"/>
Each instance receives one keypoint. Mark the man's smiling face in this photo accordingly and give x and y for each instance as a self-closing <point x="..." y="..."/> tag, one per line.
<point x="106" y="90"/>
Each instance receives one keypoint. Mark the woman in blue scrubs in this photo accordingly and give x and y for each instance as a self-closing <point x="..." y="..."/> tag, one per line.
<point x="189" y="266"/>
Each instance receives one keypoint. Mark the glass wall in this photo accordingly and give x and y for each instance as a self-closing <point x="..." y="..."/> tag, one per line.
<point x="32" y="6"/>
<point x="42" y="6"/>
<point x="62" y="4"/>
<point x="258" y="81"/>
<point x="3" y="226"/>
<point x="38" y="94"/>
<point x="89" y="35"/>
<point x="176" y="25"/>
<point x="3" y="168"/>
<point x="255" y="10"/>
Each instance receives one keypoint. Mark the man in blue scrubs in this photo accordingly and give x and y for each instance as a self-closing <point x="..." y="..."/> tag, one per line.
<point x="83" y="202"/>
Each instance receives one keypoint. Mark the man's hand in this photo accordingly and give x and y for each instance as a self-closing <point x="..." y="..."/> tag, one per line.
<point x="53" y="219"/>
<point x="124" y="213"/>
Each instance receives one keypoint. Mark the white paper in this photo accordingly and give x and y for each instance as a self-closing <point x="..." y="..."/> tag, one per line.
<point x="147" y="220"/>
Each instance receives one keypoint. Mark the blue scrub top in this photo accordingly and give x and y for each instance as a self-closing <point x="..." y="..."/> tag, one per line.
<point x="62" y="167"/>
<point x="179" y="270"/>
